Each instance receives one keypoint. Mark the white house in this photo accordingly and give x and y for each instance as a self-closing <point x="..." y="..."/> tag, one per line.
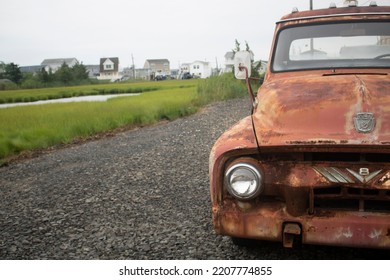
<point x="185" y="67"/>
<point x="201" y="69"/>
<point x="55" y="63"/>
<point x="109" y="69"/>
<point x="229" y="62"/>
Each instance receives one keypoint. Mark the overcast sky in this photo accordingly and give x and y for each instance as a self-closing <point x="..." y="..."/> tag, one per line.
<point x="179" y="30"/>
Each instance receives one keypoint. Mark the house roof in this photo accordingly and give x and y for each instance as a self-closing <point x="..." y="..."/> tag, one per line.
<point x="229" y="55"/>
<point x="115" y="60"/>
<point x="92" y="67"/>
<point x="31" y="69"/>
<point x="201" y="62"/>
<point x="157" y="60"/>
<point x="58" y="61"/>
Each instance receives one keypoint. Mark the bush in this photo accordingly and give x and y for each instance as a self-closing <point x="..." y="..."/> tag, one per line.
<point x="7" y="85"/>
<point x="31" y="83"/>
<point x="220" y="88"/>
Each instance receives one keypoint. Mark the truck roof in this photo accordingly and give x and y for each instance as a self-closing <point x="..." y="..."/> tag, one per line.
<point x="334" y="12"/>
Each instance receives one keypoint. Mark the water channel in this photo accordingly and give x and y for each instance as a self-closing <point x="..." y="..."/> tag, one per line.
<point x="90" y="98"/>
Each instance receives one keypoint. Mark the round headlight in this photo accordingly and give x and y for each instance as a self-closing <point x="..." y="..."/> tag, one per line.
<point x="244" y="181"/>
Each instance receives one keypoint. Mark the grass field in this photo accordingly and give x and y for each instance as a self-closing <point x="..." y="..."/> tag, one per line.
<point x="30" y="95"/>
<point x="40" y="126"/>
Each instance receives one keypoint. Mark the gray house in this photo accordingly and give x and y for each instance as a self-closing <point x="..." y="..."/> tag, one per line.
<point x="130" y="73"/>
<point x="158" y="67"/>
<point x="55" y="63"/>
<point x="31" y="69"/>
<point x="93" y="70"/>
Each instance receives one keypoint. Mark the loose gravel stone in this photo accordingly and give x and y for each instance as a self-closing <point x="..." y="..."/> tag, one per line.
<point x="141" y="194"/>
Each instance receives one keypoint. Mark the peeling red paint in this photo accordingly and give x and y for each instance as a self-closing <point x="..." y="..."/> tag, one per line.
<point x="311" y="109"/>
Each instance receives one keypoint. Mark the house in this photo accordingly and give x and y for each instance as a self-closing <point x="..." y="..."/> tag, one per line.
<point x="55" y="63"/>
<point x="229" y="62"/>
<point x="197" y="69"/>
<point x="109" y="69"/>
<point x="384" y="40"/>
<point x="93" y="70"/>
<point x="158" y="67"/>
<point x="200" y="69"/>
<point x="263" y="67"/>
<point x="31" y="69"/>
<point x="137" y="74"/>
<point x="184" y="68"/>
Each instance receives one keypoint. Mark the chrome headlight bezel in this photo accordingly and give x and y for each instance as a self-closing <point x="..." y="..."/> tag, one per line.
<point x="251" y="184"/>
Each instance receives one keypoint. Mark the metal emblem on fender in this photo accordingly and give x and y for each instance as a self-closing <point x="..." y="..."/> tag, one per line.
<point x="337" y="175"/>
<point x="364" y="175"/>
<point x="364" y="122"/>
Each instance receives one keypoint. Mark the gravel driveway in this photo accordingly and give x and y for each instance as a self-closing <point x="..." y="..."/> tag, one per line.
<point x="141" y="194"/>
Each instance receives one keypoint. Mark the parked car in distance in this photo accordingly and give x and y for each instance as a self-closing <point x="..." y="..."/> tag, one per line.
<point x="311" y="161"/>
<point x="160" y="77"/>
<point x="186" y="76"/>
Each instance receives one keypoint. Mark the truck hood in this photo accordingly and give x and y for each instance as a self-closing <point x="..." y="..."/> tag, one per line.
<point x="324" y="109"/>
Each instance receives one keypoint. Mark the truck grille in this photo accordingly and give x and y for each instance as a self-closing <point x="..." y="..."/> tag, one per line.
<point x="350" y="199"/>
<point x="346" y="190"/>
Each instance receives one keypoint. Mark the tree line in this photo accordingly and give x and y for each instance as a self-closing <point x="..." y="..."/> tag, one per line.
<point x="11" y="76"/>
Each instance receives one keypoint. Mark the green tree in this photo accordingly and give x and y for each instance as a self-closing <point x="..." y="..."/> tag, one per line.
<point x="13" y="73"/>
<point x="255" y="67"/>
<point x="64" y="74"/>
<point x="79" y="72"/>
<point x="2" y="69"/>
<point x="247" y="48"/>
<point x="237" y="48"/>
<point x="44" y="76"/>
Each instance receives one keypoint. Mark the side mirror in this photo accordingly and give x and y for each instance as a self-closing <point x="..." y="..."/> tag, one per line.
<point x="242" y="64"/>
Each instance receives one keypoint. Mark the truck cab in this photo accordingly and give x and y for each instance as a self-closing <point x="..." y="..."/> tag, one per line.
<point x="311" y="161"/>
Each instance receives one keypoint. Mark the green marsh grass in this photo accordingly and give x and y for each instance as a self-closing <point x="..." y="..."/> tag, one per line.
<point x="41" y="126"/>
<point x="32" y="127"/>
<point x="219" y="88"/>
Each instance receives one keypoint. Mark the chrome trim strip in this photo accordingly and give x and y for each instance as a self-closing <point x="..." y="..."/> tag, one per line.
<point x="345" y="178"/>
<point x="334" y="175"/>
<point x="364" y="179"/>
<point x="356" y="175"/>
<point x="371" y="176"/>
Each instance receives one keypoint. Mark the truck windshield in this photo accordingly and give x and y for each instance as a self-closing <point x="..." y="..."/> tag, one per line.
<point x="342" y="45"/>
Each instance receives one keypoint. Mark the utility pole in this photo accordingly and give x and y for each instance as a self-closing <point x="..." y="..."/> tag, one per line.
<point x="132" y="59"/>
<point x="311" y="40"/>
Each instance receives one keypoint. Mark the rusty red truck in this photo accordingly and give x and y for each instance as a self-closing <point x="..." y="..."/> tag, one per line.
<point x="311" y="162"/>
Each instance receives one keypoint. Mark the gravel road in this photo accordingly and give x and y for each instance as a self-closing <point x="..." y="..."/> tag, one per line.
<point x="141" y="194"/>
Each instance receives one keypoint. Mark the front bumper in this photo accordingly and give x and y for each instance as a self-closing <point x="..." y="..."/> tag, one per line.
<point x="325" y="227"/>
